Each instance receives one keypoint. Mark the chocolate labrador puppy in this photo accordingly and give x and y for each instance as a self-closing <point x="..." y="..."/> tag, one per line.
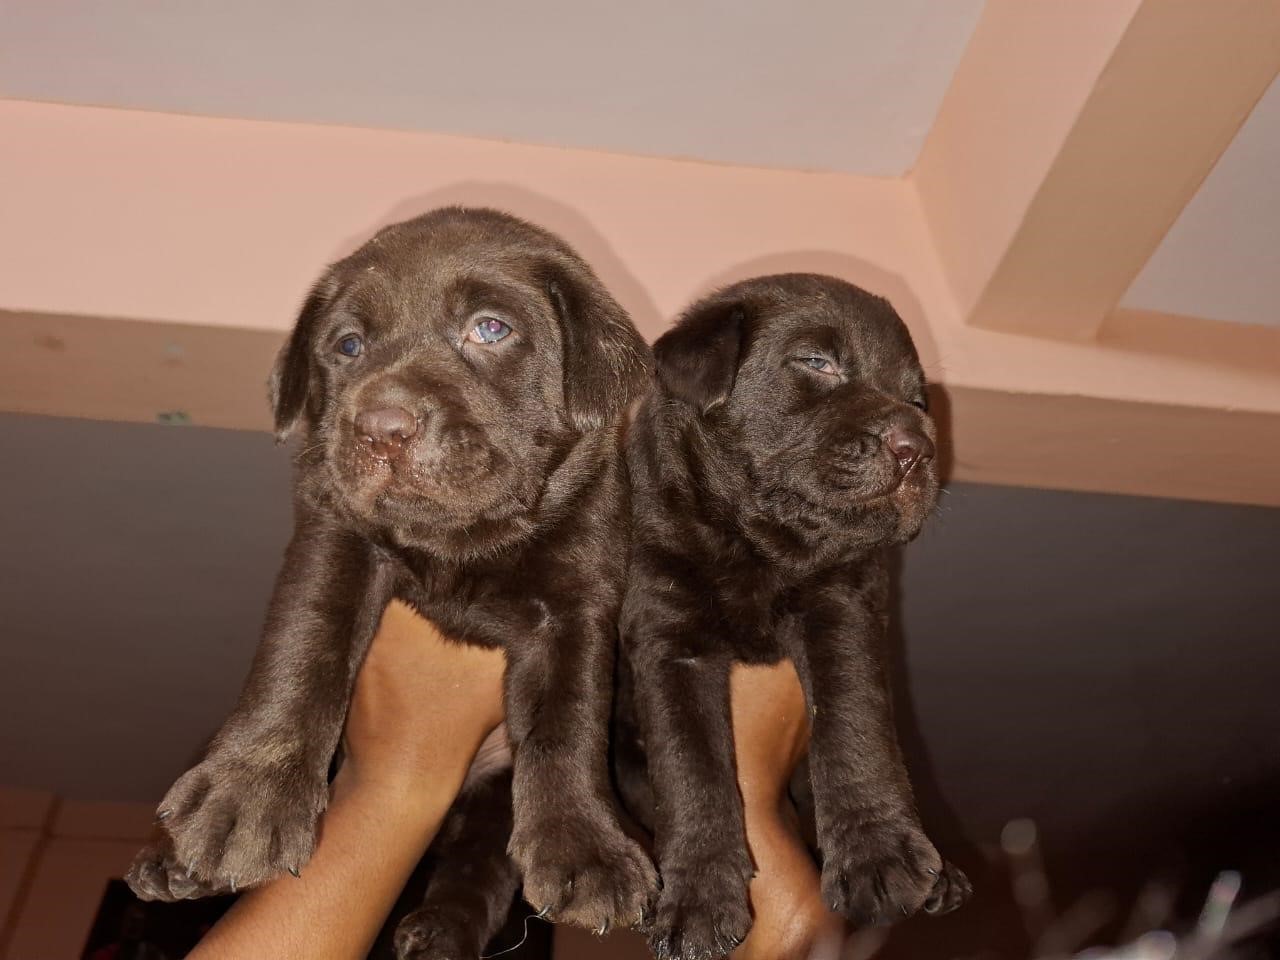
<point x="786" y="449"/>
<point x="461" y="380"/>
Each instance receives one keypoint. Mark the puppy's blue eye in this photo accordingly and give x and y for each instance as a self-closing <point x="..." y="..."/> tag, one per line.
<point x="821" y="364"/>
<point x="350" y="346"/>
<point x="489" y="330"/>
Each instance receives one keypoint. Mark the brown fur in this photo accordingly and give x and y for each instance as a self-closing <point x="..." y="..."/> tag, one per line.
<point x="493" y="501"/>
<point x="765" y="496"/>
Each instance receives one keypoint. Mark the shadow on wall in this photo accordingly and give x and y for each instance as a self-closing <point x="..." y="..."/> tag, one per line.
<point x="612" y="270"/>
<point x="544" y="212"/>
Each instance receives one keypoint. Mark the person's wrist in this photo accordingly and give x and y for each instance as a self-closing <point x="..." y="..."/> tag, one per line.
<point x="407" y="792"/>
<point x="424" y="766"/>
<point x="761" y="787"/>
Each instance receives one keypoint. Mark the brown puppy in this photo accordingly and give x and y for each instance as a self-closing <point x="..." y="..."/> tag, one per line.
<point x="786" y="449"/>
<point x="461" y="381"/>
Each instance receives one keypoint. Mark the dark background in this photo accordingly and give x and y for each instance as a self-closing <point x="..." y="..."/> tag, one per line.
<point x="1104" y="665"/>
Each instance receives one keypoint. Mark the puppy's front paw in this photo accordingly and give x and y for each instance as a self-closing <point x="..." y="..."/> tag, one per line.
<point x="704" y="911"/>
<point x="230" y="824"/>
<point x="582" y="869"/>
<point x="881" y="872"/>
<point x="155" y="874"/>
<point x="950" y="890"/>
<point x="429" y="934"/>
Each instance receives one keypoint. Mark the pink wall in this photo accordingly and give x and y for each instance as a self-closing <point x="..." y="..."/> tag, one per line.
<point x="225" y="222"/>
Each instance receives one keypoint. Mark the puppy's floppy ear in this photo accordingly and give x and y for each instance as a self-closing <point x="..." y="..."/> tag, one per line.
<point x="291" y="377"/>
<point x="698" y="358"/>
<point x="606" y="362"/>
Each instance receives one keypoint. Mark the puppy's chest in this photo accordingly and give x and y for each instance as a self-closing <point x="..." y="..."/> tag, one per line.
<point x="764" y="614"/>
<point x="751" y="616"/>
<point x="489" y="608"/>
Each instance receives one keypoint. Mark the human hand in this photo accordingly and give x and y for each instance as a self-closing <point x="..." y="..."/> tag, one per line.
<point x="422" y="705"/>
<point x="771" y="734"/>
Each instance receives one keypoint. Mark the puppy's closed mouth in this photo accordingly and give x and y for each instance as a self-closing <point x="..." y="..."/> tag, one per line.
<point x="459" y="478"/>
<point x="394" y="504"/>
<point x="855" y="485"/>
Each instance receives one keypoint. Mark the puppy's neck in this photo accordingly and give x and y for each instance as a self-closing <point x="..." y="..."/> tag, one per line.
<point x="579" y="470"/>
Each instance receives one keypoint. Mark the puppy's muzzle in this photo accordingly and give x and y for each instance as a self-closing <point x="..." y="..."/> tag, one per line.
<point x="385" y="432"/>
<point x="909" y="448"/>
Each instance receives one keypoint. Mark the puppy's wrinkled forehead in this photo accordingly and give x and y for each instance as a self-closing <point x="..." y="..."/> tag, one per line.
<point x="414" y="271"/>
<point x="827" y="314"/>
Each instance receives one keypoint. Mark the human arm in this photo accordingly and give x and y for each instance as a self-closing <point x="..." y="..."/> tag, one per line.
<point x="421" y="708"/>
<point x="771" y="733"/>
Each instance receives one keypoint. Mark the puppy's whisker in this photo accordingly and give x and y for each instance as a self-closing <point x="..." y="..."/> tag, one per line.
<point x="523" y="937"/>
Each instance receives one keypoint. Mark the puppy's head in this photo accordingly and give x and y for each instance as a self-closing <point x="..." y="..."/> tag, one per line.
<point x="815" y="387"/>
<point x="445" y="368"/>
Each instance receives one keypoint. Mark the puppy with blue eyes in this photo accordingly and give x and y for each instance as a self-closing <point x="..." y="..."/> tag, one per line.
<point x="460" y="383"/>
<point x="787" y="448"/>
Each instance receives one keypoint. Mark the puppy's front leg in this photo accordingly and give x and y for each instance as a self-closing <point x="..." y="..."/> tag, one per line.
<point x="700" y="836"/>
<point x="248" y="810"/>
<point x="877" y="864"/>
<point x="577" y="862"/>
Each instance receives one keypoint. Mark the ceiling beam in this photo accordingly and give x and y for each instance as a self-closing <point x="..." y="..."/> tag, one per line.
<point x="106" y="368"/>
<point x="1071" y="138"/>
<point x="185" y="375"/>
<point x="1241" y="346"/>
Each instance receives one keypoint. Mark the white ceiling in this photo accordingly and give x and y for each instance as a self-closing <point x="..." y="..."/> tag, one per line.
<point x="1221" y="259"/>
<point x="830" y="84"/>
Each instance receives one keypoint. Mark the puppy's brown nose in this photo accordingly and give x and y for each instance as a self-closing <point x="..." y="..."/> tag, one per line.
<point x="908" y="447"/>
<point x="386" y="430"/>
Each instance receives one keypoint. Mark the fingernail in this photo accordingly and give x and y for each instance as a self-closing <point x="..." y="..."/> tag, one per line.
<point x="604" y="928"/>
<point x="295" y="871"/>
